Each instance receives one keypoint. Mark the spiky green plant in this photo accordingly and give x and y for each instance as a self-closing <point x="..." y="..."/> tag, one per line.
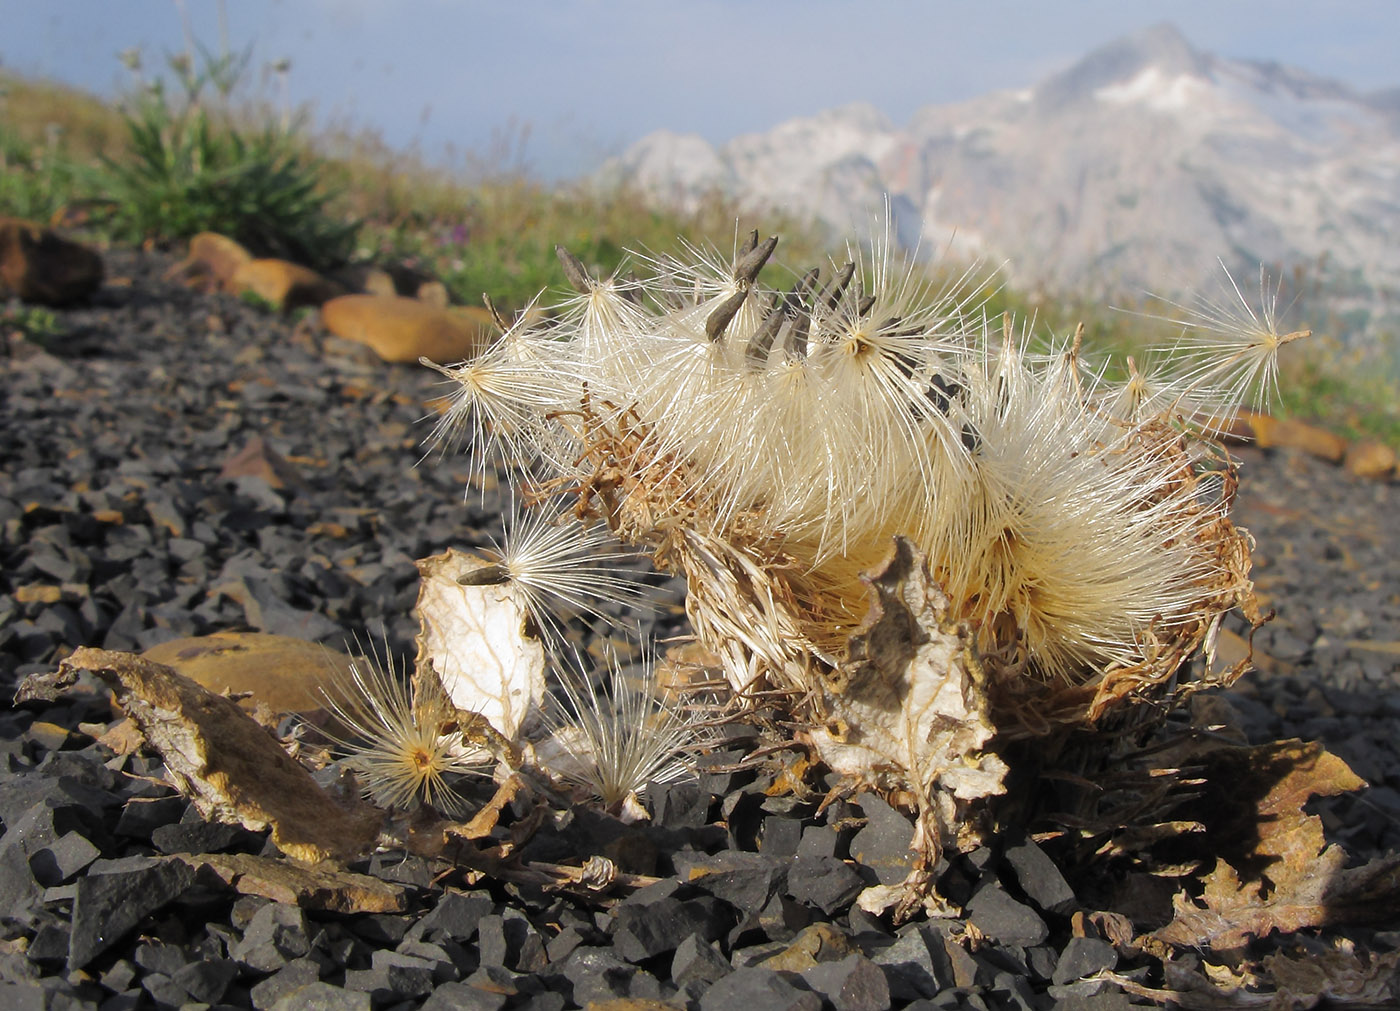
<point x="189" y="170"/>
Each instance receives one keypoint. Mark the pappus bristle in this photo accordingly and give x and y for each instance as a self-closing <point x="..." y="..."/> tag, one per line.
<point x="403" y="749"/>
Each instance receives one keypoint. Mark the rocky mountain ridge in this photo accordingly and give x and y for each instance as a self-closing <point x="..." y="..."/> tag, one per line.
<point x="1134" y="169"/>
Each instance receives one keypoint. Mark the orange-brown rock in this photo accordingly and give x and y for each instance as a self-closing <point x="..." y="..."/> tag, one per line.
<point x="283" y="673"/>
<point x="1371" y="459"/>
<point x="1285" y="433"/>
<point x="365" y="279"/>
<point x="405" y="329"/>
<point x="434" y="293"/>
<point x="39" y="265"/>
<point x="284" y="284"/>
<point x="211" y="262"/>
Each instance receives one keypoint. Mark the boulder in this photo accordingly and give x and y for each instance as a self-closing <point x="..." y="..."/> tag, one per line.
<point x="1285" y="433"/>
<point x="284" y="673"/>
<point x="211" y="262"/>
<point x="366" y="279"/>
<point x="434" y="293"/>
<point x="405" y="329"/>
<point x="1371" y="459"/>
<point x="375" y="279"/>
<point x="283" y="284"/>
<point x="39" y="265"/>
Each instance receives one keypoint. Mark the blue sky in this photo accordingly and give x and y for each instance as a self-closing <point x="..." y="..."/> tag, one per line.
<point x="580" y="79"/>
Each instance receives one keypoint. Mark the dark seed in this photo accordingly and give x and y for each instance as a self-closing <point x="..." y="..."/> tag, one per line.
<point x="574" y="271"/>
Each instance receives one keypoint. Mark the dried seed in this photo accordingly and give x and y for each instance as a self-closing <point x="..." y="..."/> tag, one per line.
<point x="831" y="295"/>
<point x="723" y="314"/>
<point x="574" y="271"/>
<point x="747" y="268"/>
<point x="762" y="342"/>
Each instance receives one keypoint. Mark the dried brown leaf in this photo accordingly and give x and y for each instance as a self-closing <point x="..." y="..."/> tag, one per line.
<point x="232" y="770"/>
<point x="1278" y="872"/>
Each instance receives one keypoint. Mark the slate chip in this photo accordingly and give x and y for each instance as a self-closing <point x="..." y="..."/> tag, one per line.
<point x="1000" y="916"/>
<point x="206" y="980"/>
<point x="276" y="934"/>
<point x="758" y="988"/>
<point x="597" y="974"/>
<point x="824" y="882"/>
<point x="882" y="846"/>
<point x="744" y="880"/>
<point x="462" y="997"/>
<point x="197" y="837"/>
<point x="641" y="932"/>
<point x="322" y="996"/>
<point x="288" y="979"/>
<point x="62" y="859"/>
<point x="911" y="970"/>
<point x="854" y="983"/>
<point x="697" y="961"/>
<point x="1040" y="879"/>
<point x="1084" y="956"/>
<point x="110" y="904"/>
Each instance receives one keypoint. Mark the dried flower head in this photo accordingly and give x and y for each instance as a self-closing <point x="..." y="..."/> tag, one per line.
<point x="556" y="564"/>
<point x="405" y="750"/>
<point x="613" y="742"/>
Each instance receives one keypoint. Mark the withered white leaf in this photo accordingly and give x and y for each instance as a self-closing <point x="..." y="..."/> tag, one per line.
<point x="910" y="699"/>
<point x="474" y="634"/>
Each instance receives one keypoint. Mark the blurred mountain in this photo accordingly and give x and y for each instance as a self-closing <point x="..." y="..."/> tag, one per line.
<point x="1132" y="170"/>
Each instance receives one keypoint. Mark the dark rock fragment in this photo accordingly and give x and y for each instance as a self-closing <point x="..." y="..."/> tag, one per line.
<point x="818" y="841"/>
<point x="18" y="889"/>
<point x="461" y="997"/>
<point x="456" y="915"/>
<point x="198" y="837"/>
<point x="291" y="977"/>
<point x="1000" y="916"/>
<point x="153" y="956"/>
<point x="206" y="980"/>
<point x="913" y="966"/>
<point x="780" y="836"/>
<point x="1084" y="956"/>
<point x="1040" y="879"/>
<point x="109" y="904"/>
<point x="408" y="975"/>
<point x="698" y="963"/>
<point x="597" y="974"/>
<point x="882" y="846"/>
<point x="49" y="944"/>
<point x="758" y="988"/>
<point x="855" y="983"/>
<point x="63" y="858"/>
<point x="824" y="882"/>
<point x="322" y="996"/>
<point x="640" y="932"/>
<point x="276" y="934"/>
<point x="745" y="880"/>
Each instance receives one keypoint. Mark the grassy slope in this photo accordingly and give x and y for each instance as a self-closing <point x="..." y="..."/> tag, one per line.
<point x="497" y="236"/>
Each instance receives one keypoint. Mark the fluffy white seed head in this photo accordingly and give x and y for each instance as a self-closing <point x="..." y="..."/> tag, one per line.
<point x="402" y="749"/>
<point x="613" y="742"/>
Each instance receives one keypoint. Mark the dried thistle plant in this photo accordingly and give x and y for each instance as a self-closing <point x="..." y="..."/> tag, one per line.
<point x="1068" y="539"/>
